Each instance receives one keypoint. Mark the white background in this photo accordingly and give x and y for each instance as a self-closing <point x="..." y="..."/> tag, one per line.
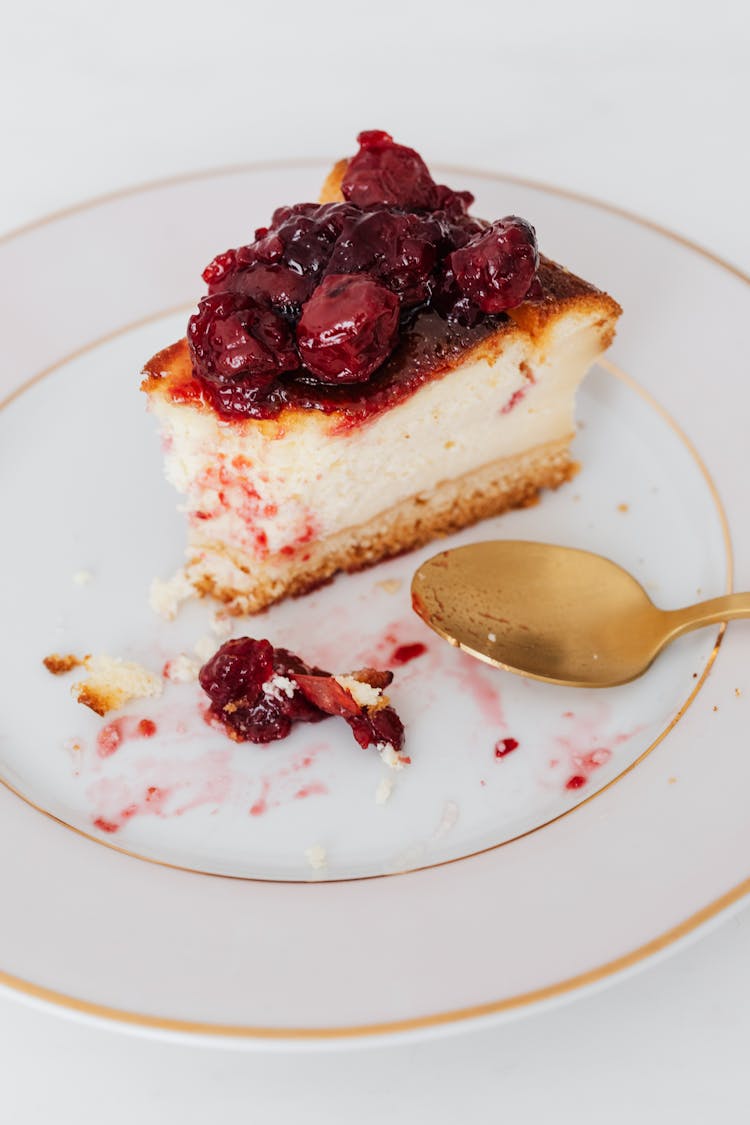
<point x="642" y="104"/>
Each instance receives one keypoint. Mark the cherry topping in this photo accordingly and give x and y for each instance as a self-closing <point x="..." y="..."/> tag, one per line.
<point x="329" y="297"/>
<point x="347" y="328"/>
<point x="219" y="269"/>
<point x="398" y="249"/>
<point x="238" y="348"/>
<point x="258" y="692"/>
<point x="505" y="746"/>
<point x="234" y="679"/>
<point x="496" y="268"/>
<point x="384" y="172"/>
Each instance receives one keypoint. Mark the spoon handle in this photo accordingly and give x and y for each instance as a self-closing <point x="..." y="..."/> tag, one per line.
<point x="726" y="608"/>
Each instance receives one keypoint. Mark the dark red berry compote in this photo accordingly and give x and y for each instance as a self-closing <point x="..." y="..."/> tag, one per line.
<point x="350" y="306"/>
<point x="259" y="692"/>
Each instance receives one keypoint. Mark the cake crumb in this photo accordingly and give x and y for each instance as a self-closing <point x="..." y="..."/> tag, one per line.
<point x="715" y="707"/>
<point x="82" y="577"/>
<point x="279" y="687"/>
<point x="390" y="585"/>
<point x="623" y="507"/>
<point x="165" y="598"/>
<point x="317" y="857"/>
<point x="204" y="648"/>
<point x="384" y="790"/>
<point x="59" y="665"/>
<point x="363" y="694"/>
<point x="112" y="683"/>
<point x="448" y="820"/>
<point x="391" y="757"/>
<point x="672" y="780"/>
<point x="737" y="692"/>
<point x="182" y="669"/>
<point x="221" y="625"/>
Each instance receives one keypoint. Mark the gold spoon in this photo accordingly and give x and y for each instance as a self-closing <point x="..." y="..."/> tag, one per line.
<point x="553" y="613"/>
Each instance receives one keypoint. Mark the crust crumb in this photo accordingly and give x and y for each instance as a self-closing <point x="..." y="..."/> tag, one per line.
<point x="58" y="665"/>
<point x="390" y="585"/>
<point x="112" y="683"/>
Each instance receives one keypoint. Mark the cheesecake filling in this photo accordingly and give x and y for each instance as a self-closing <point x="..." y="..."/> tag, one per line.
<point x="263" y="498"/>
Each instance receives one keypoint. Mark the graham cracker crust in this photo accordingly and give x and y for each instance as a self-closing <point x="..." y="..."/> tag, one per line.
<point x="509" y="482"/>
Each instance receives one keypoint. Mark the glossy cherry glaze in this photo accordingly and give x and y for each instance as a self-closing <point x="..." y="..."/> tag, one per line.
<point x="349" y="306"/>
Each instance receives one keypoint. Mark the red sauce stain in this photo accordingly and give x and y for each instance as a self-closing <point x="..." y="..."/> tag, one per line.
<point x="110" y="738"/>
<point x="586" y="764"/>
<point x="260" y="806"/>
<point x="186" y="392"/>
<point x="113" y="734"/>
<point x="470" y="675"/>
<point x="593" y="758"/>
<point x="515" y="398"/>
<point x="105" y="825"/>
<point x="314" y="789"/>
<point x="505" y="746"/>
<point x="404" y="654"/>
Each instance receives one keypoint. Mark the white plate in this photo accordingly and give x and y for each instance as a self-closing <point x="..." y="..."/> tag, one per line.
<point x="569" y="899"/>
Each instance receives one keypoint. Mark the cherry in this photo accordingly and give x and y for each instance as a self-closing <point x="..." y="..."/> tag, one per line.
<point x="398" y="249"/>
<point x="239" y="679"/>
<point x="347" y="328"/>
<point x="323" y="296"/>
<point x="238" y="348"/>
<point x="496" y="268"/>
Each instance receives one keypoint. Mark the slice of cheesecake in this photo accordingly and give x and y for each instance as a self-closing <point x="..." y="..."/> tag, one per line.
<point x="367" y="375"/>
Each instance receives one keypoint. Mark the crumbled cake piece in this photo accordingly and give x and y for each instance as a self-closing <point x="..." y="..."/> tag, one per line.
<point x="221" y="625"/>
<point x="59" y="665"/>
<point x="362" y="692"/>
<point x="182" y="669"/>
<point x="390" y="585"/>
<point x="317" y="857"/>
<point x="111" y="683"/>
<point x="166" y="598"/>
<point x="390" y="756"/>
<point x="204" y="648"/>
<point x="384" y="790"/>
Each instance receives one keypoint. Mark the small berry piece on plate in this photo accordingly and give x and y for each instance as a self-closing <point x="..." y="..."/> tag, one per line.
<point x="258" y="692"/>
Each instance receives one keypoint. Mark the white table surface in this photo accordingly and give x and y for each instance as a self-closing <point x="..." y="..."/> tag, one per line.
<point x="642" y="104"/>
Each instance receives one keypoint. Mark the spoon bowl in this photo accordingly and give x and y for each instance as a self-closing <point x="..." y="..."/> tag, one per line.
<point x="553" y="613"/>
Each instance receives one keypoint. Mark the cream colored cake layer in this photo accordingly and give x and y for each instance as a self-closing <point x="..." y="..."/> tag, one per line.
<point x="260" y="498"/>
